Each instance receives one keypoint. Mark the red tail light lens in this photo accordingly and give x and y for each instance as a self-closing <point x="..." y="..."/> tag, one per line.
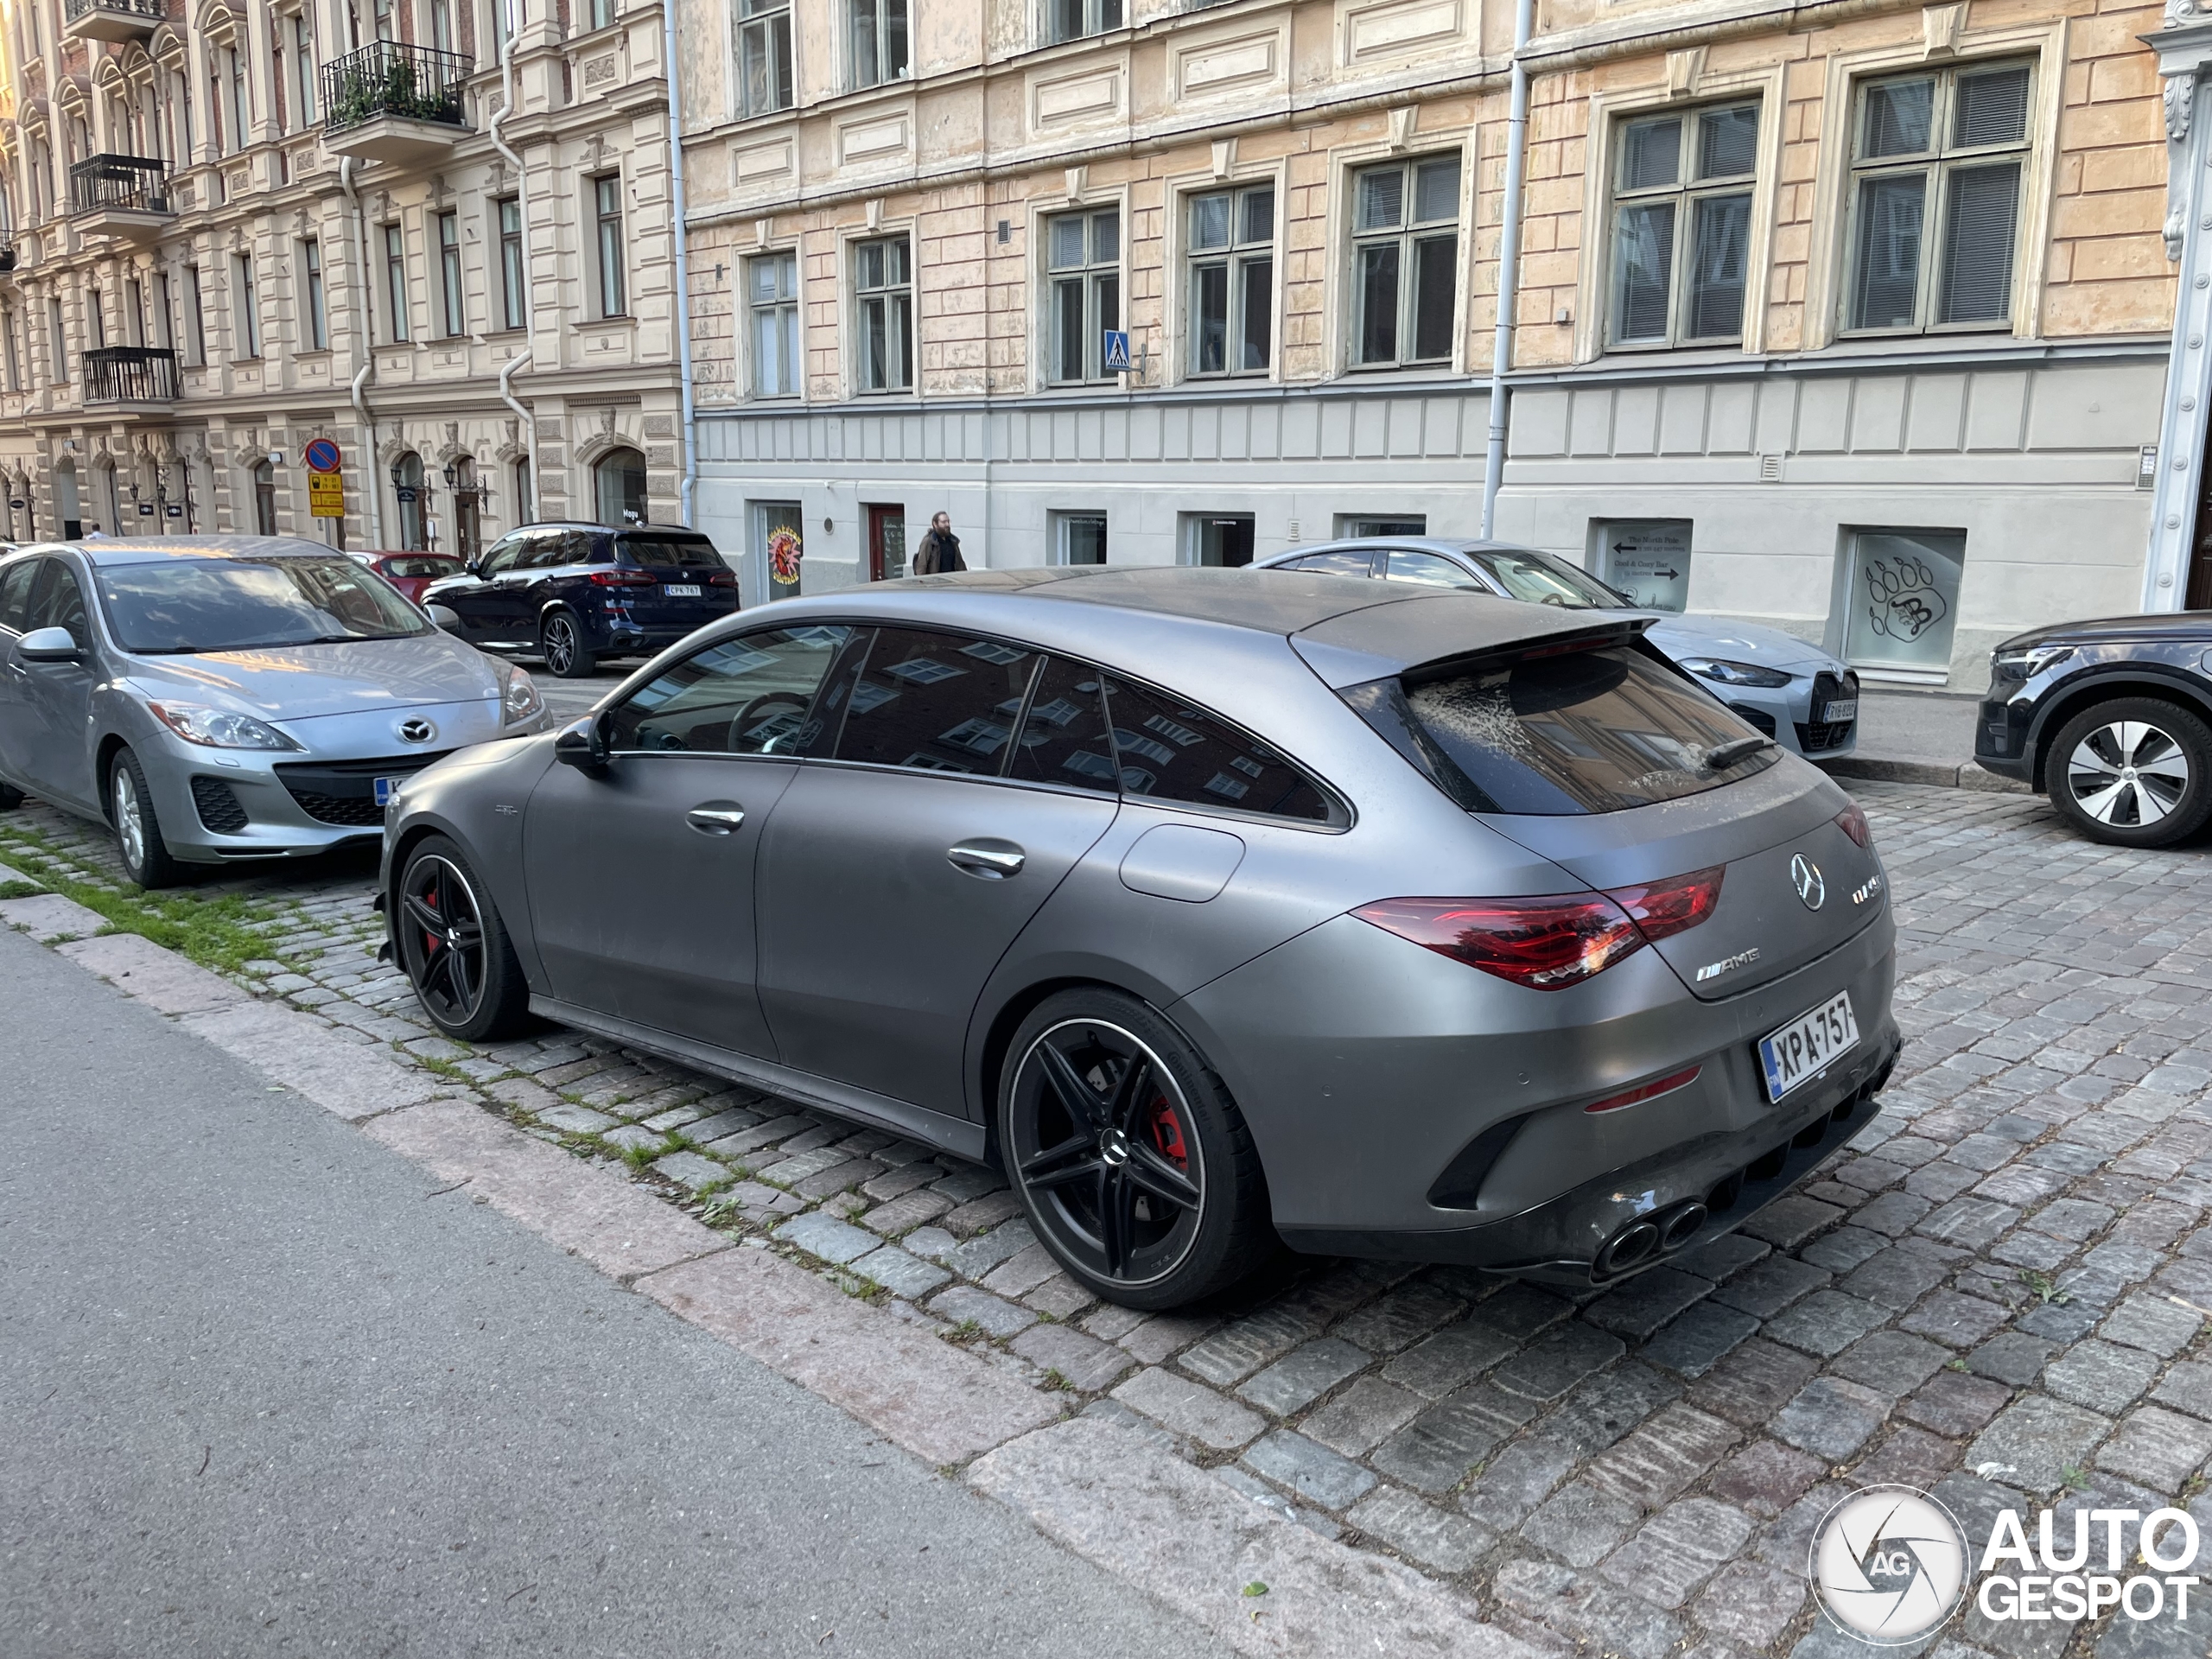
<point x="1545" y="943"/>
<point x="1549" y="943"/>
<point x="1646" y="1091"/>
<point x="1852" y="823"/>
<point x="1662" y="909"/>
<point x="722" y="579"/>
<point x="616" y="577"/>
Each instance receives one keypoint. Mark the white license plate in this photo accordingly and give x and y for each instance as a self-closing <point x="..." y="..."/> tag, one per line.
<point x="386" y="788"/>
<point x="1808" y="1045"/>
<point x="681" y="590"/>
<point x="1839" y="709"/>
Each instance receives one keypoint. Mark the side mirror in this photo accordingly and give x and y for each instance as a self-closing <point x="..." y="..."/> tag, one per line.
<point x="446" y="618"/>
<point x="582" y="745"/>
<point x="475" y="567"/>
<point x="50" y="645"/>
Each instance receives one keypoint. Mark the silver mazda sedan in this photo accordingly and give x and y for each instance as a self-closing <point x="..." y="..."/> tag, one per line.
<point x="1382" y="920"/>
<point x="229" y="697"/>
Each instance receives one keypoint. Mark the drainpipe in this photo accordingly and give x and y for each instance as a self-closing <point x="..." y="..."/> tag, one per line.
<point x="668" y="67"/>
<point x="515" y="364"/>
<point x="1509" y="265"/>
<point x="368" y="357"/>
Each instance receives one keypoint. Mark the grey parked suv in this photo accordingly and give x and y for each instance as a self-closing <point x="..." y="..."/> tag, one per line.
<point x="1393" y="921"/>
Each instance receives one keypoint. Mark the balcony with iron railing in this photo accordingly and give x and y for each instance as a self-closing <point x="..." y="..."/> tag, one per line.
<point x="394" y="102"/>
<point x="126" y="196"/>
<point x="130" y="374"/>
<point x="113" y="20"/>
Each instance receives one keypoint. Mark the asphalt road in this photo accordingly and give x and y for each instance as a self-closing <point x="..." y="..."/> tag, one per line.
<point x="267" y="1391"/>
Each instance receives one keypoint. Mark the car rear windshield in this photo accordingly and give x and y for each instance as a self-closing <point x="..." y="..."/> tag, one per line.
<point x="661" y="551"/>
<point x="408" y="568"/>
<point x="191" y="605"/>
<point x="1559" y="735"/>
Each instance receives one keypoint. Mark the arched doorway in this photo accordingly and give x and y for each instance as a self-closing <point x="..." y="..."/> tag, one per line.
<point x="107" y="495"/>
<point x="620" y="476"/>
<point x="407" y="479"/>
<point x="264" y="498"/>
<point x="467" y="501"/>
<point x="67" y="507"/>
<point x="19" y="496"/>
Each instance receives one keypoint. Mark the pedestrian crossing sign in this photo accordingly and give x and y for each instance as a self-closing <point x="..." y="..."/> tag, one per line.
<point x="1117" y="351"/>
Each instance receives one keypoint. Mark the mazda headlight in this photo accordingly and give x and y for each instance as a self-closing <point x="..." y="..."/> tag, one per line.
<point x="1728" y="673"/>
<point x="218" y="729"/>
<point x="518" y="698"/>
<point x="2017" y="665"/>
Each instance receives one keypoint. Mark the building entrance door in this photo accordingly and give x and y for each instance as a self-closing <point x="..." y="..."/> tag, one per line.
<point x="887" y="544"/>
<point x="2197" y="593"/>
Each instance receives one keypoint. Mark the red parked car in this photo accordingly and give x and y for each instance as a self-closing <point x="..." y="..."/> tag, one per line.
<point x="412" y="572"/>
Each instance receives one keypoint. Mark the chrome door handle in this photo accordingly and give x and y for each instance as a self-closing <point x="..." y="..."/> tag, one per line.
<point x="989" y="861"/>
<point x="715" y="818"/>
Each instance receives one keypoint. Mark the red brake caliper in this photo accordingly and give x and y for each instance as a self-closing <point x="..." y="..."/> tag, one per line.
<point x="1168" y="1132"/>
<point x="431" y="941"/>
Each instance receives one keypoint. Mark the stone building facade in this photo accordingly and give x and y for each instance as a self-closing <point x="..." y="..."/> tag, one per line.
<point x="238" y="229"/>
<point x="1855" y="322"/>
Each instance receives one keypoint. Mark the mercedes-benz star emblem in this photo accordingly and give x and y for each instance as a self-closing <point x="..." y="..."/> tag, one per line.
<point x="420" y="731"/>
<point x="1805" y="876"/>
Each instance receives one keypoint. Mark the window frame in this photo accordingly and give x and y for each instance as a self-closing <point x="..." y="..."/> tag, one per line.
<point x="766" y="25"/>
<point x="247" y="306"/>
<point x="452" y="291"/>
<point x="1090" y="276"/>
<point x="312" y="296"/>
<point x="1099" y="18"/>
<point x="1937" y="165"/>
<point x="897" y="298"/>
<point x="610" y="257"/>
<point x="1686" y="192"/>
<point x="1408" y="235"/>
<point x="399" y="329"/>
<point x="881" y="15"/>
<point x="514" y="285"/>
<point x="791" y="324"/>
<point x="1233" y="258"/>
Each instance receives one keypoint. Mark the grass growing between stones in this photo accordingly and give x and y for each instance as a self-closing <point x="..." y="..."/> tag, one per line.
<point x="215" y="930"/>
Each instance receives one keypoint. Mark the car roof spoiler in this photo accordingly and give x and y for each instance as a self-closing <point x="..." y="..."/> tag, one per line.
<point x="1438" y="632"/>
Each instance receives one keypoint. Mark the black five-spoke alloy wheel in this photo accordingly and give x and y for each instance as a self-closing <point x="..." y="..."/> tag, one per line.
<point x="1136" y="1169"/>
<point x="562" y="643"/>
<point x="454" y="949"/>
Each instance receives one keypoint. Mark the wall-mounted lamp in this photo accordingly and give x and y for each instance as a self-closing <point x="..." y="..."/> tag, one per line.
<point x="275" y="457"/>
<point x="452" y="477"/>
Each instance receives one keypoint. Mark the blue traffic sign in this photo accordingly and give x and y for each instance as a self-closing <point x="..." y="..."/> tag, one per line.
<point x="1117" y="352"/>
<point x="321" y="455"/>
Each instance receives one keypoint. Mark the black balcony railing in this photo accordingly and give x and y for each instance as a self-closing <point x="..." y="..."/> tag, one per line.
<point x="134" y="183"/>
<point x="391" y="78"/>
<point x="130" y="374"/>
<point x="146" y="13"/>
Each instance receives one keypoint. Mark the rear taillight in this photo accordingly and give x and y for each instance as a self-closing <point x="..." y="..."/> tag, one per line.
<point x="722" y="579"/>
<point x="616" y="577"/>
<point x="1852" y="823"/>
<point x="1549" y="943"/>
<point x="1642" y="1092"/>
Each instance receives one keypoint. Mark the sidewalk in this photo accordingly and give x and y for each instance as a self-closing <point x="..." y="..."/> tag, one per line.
<point x="1919" y="737"/>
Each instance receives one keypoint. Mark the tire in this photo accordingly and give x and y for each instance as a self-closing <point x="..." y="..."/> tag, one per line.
<point x="10" y="798"/>
<point x="453" y="948"/>
<point x="138" y="836"/>
<point x="561" y="642"/>
<point x="1106" y="1113"/>
<point x="2135" y="771"/>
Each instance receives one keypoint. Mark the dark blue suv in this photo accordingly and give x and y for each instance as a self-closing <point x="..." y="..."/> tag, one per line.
<point x="573" y="594"/>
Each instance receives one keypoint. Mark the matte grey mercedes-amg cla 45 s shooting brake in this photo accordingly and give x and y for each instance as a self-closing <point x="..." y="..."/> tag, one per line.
<point x="1383" y="922"/>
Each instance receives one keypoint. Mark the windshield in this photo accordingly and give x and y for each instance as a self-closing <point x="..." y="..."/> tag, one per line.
<point x="666" y="551"/>
<point x="1540" y="578"/>
<point x="193" y="605"/>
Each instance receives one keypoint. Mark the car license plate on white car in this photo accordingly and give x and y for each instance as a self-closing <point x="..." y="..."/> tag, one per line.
<point x="1838" y="710"/>
<point x="680" y="589"/>
<point x="1805" y="1047"/>
<point x="386" y="788"/>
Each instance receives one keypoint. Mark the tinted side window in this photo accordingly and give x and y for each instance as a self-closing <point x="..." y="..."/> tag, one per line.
<point x="1169" y="750"/>
<point x="505" y="554"/>
<point x="1338" y="564"/>
<point x="16" y="593"/>
<point x="746" y="695"/>
<point x="1433" y="569"/>
<point x="936" y="702"/>
<point x="561" y="547"/>
<point x="58" y="602"/>
<point x="1064" y="736"/>
<point x="671" y="551"/>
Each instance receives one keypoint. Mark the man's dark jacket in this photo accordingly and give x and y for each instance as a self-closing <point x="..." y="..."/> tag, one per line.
<point x="939" y="553"/>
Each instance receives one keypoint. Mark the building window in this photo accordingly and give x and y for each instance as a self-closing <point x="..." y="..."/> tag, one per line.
<point x="303" y="68"/>
<point x="1648" y="559"/>
<point x="457" y="315"/>
<point x="764" y="54"/>
<point x="442" y="24"/>
<point x="606" y="194"/>
<point x="772" y="293"/>
<point x="883" y="303"/>
<point x="96" y="317"/>
<point x="1079" y="537"/>
<point x="1904" y="599"/>
<point x="195" y="315"/>
<point x="1070" y="20"/>
<point x="15" y="351"/>
<point x="1937" y="162"/>
<point x="395" y="280"/>
<point x="57" y="343"/>
<point x="1682" y="223"/>
<point x="318" y="318"/>
<point x="1405" y="262"/>
<point x="602" y="13"/>
<point x="879" y="37"/>
<point x="526" y="492"/>
<point x="249" y="308"/>
<point x="1223" y="539"/>
<point x="1084" y="270"/>
<point x="513" y="298"/>
<point x="1232" y="281"/>
<point x="237" y="99"/>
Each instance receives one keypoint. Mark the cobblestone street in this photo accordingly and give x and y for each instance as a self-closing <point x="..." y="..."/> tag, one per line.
<point x="1994" y="1289"/>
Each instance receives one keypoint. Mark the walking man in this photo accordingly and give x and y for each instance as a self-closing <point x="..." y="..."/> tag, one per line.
<point x="940" y="553"/>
